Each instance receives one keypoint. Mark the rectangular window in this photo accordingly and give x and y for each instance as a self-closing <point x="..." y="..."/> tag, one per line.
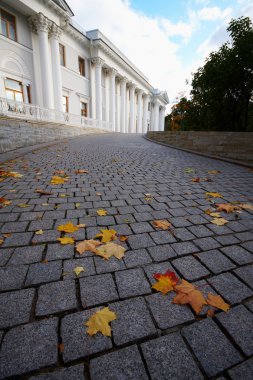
<point x="83" y="107"/>
<point x="28" y="89"/>
<point x="13" y="90"/>
<point x="8" y="25"/>
<point x="62" y="55"/>
<point x="65" y="103"/>
<point x="81" y="65"/>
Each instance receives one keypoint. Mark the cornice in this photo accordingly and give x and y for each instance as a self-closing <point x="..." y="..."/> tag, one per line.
<point x="70" y="29"/>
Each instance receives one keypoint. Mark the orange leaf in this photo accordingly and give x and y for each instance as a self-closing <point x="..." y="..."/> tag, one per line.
<point x="215" y="195"/>
<point x="68" y="227"/>
<point x="87" y="245"/>
<point x="123" y="238"/>
<point x="247" y="206"/>
<point x="195" y="179"/>
<point x="227" y="207"/>
<point x="210" y="313"/>
<point x="81" y="171"/>
<point x="163" y="224"/>
<point x="213" y="172"/>
<point x="61" y="347"/>
<point x="66" y="240"/>
<point x="217" y="301"/>
<point x="101" y="212"/>
<point x="166" y="282"/>
<point x="195" y="298"/>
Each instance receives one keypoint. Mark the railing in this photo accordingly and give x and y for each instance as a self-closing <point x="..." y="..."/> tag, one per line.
<point x="33" y="112"/>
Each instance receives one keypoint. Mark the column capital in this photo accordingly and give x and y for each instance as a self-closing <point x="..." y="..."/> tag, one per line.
<point x="162" y="108"/>
<point x="140" y="91"/>
<point x="123" y="80"/>
<point x="132" y="86"/>
<point x="146" y="96"/>
<point x="39" y="22"/>
<point x="55" y="31"/>
<point x="97" y="61"/>
<point x="113" y="72"/>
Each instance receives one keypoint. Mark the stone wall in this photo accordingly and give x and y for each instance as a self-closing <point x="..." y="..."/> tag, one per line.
<point x="232" y="145"/>
<point x="17" y="133"/>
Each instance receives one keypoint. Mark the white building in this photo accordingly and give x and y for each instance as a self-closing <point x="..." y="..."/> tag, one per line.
<point x="50" y="66"/>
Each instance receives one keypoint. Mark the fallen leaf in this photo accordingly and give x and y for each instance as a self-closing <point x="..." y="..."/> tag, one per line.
<point x="215" y="195"/>
<point x="246" y="206"/>
<point x="227" y="207"/>
<point x="197" y="179"/>
<point x="81" y="171"/>
<point x="5" y="201"/>
<point x="163" y="224"/>
<point x="210" y="313"/>
<point x="44" y="261"/>
<point x="165" y="282"/>
<point x="66" y="240"/>
<point x="217" y="301"/>
<point x="12" y="191"/>
<point x="87" y="245"/>
<point x="189" y="170"/>
<point x="213" y="172"/>
<point x="99" y="322"/>
<point x="78" y="270"/>
<point x="39" y="232"/>
<point x="68" y="227"/>
<point x="1" y="241"/>
<point x="60" y="172"/>
<point x="101" y="212"/>
<point x="219" y="221"/>
<point x="215" y="214"/>
<point x="61" y="347"/>
<point x="77" y="205"/>
<point x="7" y="235"/>
<point x="123" y="238"/>
<point x="44" y="204"/>
<point x="57" y="180"/>
<point x="43" y="192"/>
<point x="189" y="294"/>
<point x="111" y="249"/>
<point x="107" y="235"/>
<point x="98" y="194"/>
<point x="23" y="205"/>
<point x="82" y="225"/>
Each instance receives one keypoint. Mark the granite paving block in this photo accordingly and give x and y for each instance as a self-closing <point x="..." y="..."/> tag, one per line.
<point x="162" y="237"/>
<point x="242" y="371"/>
<point x="123" y="219"/>
<point x="14" y="227"/>
<point x="229" y="287"/>
<point x="238" y="254"/>
<point x="18" y="239"/>
<point x="162" y="252"/>
<point x="244" y="236"/>
<point x="248" y="245"/>
<point x="238" y="322"/>
<point x="12" y="277"/>
<point x="227" y="239"/>
<point x="133" y="321"/>
<point x="29" y="347"/>
<point x="132" y="282"/>
<point x="245" y="274"/>
<point x="207" y="243"/>
<point x="211" y="347"/>
<point x="141" y="227"/>
<point x="219" y="230"/>
<point x="185" y="248"/>
<point x="5" y="255"/>
<point x="56" y="297"/>
<point x="48" y="236"/>
<point x="190" y="268"/>
<point x="44" y="272"/>
<point x="98" y="289"/>
<point x="249" y="304"/>
<point x="27" y="255"/>
<point x="183" y="234"/>
<point x="76" y="372"/>
<point x="180" y="221"/>
<point x="125" y="363"/>
<point x="143" y="216"/>
<point x="58" y="252"/>
<point x="136" y="258"/>
<point x="15" y="307"/>
<point x="167" y="314"/>
<point x="106" y="266"/>
<point x="168" y="357"/>
<point x="200" y="231"/>
<point x="77" y="343"/>
<point x="215" y="261"/>
<point x="69" y="265"/>
<point x="140" y="241"/>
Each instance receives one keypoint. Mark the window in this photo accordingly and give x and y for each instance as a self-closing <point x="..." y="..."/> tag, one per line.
<point x="8" y="25"/>
<point x="62" y="55"/>
<point x="28" y="89"/>
<point x="83" y="107"/>
<point x="65" y="103"/>
<point x="13" y="90"/>
<point x="81" y="64"/>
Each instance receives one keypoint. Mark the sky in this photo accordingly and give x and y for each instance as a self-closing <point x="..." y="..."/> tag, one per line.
<point x="166" y="39"/>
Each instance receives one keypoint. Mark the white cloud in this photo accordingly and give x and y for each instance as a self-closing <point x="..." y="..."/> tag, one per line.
<point x="213" y="13"/>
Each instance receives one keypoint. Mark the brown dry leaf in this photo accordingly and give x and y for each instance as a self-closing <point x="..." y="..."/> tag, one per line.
<point x="217" y="301"/>
<point x="66" y="240"/>
<point x="101" y="212"/>
<point x="219" y="221"/>
<point x="60" y="172"/>
<point x="213" y="172"/>
<point x="246" y="206"/>
<point x="39" y="232"/>
<point x="227" y="207"/>
<point x="163" y="224"/>
<point x="99" y="322"/>
<point x="58" y="180"/>
<point x="123" y="238"/>
<point x="215" y="195"/>
<point x="5" y="201"/>
<point x="43" y="192"/>
<point x="81" y="171"/>
<point x="7" y="235"/>
<point x="98" y="194"/>
<point x="87" y="245"/>
<point x="197" y="179"/>
<point x="189" y="294"/>
<point x="210" y="313"/>
<point x="111" y="249"/>
<point x="1" y="241"/>
<point x="68" y="227"/>
<point x="61" y="347"/>
<point x="107" y="235"/>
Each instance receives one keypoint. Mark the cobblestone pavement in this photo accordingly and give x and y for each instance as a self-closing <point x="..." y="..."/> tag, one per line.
<point x="43" y="305"/>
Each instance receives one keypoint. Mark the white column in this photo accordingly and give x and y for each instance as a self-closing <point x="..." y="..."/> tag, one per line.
<point x="117" y="106"/>
<point x="146" y="99"/>
<point x="2" y="86"/>
<point x="107" y="94"/>
<point x="139" y="111"/>
<point x="24" y="85"/>
<point x="56" y="67"/>
<point x="123" y="82"/>
<point x="156" y="116"/>
<point x="98" y="62"/>
<point x="92" y="90"/>
<point x="161" y="118"/>
<point x="132" y="108"/>
<point x="112" y="74"/>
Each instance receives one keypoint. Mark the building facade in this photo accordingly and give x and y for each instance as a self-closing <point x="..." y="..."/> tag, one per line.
<point x="48" y="63"/>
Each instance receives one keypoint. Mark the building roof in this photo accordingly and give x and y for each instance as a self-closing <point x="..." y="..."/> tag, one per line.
<point x="63" y="4"/>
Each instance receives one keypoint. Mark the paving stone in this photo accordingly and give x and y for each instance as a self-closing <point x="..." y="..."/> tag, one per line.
<point x="17" y="357"/>
<point x="248" y="245"/>
<point x="167" y="314"/>
<point x="162" y="237"/>
<point x="227" y="239"/>
<point x="133" y="321"/>
<point x="122" y="364"/>
<point x="76" y="372"/>
<point x="44" y="272"/>
<point x="122" y="229"/>
<point x="244" y="236"/>
<point x="180" y="222"/>
<point x="140" y="241"/>
<point x="167" y="357"/>
<point x="69" y="265"/>
<point x="56" y="214"/>
<point x="31" y="215"/>
<point x="190" y="268"/>
<point x="206" y="244"/>
<point x="132" y="282"/>
<point x="5" y="255"/>
<point x="15" y="307"/>
<point x="56" y="297"/>
<point x="18" y="239"/>
<point x="245" y="274"/>
<point x="184" y="248"/>
<point x="105" y="220"/>
<point x="249" y="304"/>
<point x="77" y="343"/>
<point x="157" y="268"/>
<point x="143" y="216"/>
<point x="200" y="231"/>
<point x="214" y="358"/>
<point x="183" y="234"/>
<point x="106" y="266"/>
<point x="58" y="252"/>
<point x="242" y="371"/>
<point x="162" y="252"/>
<point x="219" y="230"/>
<point x="238" y="254"/>
<point x="229" y="287"/>
<point x="92" y="293"/>
<point x="27" y="255"/>
<point x="136" y="258"/>
<point x="14" y="227"/>
<point x="48" y="236"/>
<point x="12" y="277"/>
<point x="141" y="227"/>
<point x="10" y="217"/>
<point x="241" y="332"/>
<point x="215" y="261"/>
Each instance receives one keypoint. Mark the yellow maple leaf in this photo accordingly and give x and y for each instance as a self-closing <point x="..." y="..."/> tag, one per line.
<point x="15" y="175"/>
<point x="213" y="171"/>
<point x="215" y="195"/>
<point x="219" y="221"/>
<point x="107" y="235"/>
<point x="101" y="212"/>
<point x="23" y="205"/>
<point x="55" y="180"/>
<point x="217" y="301"/>
<point x="87" y="245"/>
<point x="111" y="249"/>
<point x="66" y="240"/>
<point x="165" y="282"/>
<point x="39" y="232"/>
<point x="78" y="270"/>
<point x="163" y="224"/>
<point x="99" y="322"/>
<point x="68" y="227"/>
<point x="1" y="241"/>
